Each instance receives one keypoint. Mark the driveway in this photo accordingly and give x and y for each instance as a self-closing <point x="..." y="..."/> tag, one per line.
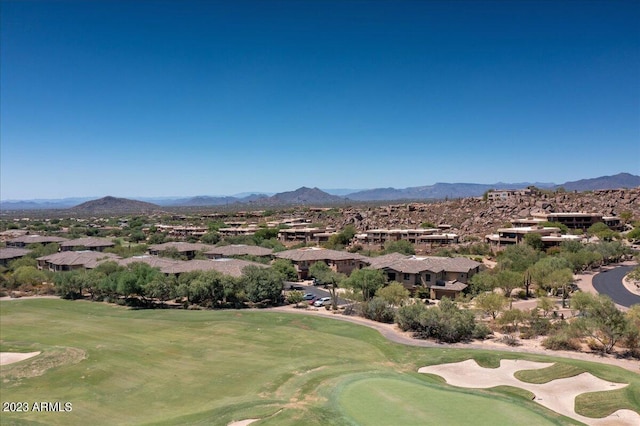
<point x="610" y="283"/>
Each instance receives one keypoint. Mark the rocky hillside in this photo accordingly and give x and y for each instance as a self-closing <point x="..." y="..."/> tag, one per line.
<point x="477" y="217"/>
<point x="113" y="205"/>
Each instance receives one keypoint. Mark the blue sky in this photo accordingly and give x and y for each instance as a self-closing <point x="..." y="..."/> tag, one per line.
<point x="160" y="98"/>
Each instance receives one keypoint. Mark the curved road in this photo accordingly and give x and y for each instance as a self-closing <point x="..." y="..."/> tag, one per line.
<point x="610" y="283"/>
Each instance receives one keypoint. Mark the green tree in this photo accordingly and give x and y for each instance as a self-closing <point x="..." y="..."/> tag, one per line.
<point x="518" y="257"/>
<point x="508" y="281"/>
<point x="395" y="294"/>
<point x="546" y="305"/>
<point x="563" y="228"/>
<point x="561" y="279"/>
<point x="69" y="285"/>
<point x="295" y="297"/>
<point x="23" y="261"/>
<point x="286" y="269"/>
<point x="481" y="282"/>
<point x="262" y="284"/>
<point x="378" y="309"/>
<point x="333" y="280"/>
<point x="534" y="240"/>
<point x="512" y="318"/>
<point x="265" y="234"/>
<point x="28" y="276"/>
<point x="137" y="236"/>
<point x="210" y="238"/>
<point x="366" y="281"/>
<point x="491" y="303"/>
<point x="341" y="239"/>
<point x="601" y="320"/>
<point x="634" y="234"/>
<point x="399" y="246"/>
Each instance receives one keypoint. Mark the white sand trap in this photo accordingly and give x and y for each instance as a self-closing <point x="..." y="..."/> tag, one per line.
<point x="558" y="395"/>
<point x="243" y="422"/>
<point x="11" y="357"/>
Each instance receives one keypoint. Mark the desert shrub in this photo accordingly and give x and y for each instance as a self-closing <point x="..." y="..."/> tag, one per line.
<point x="445" y="322"/>
<point x="481" y="331"/>
<point x="377" y="309"/>
<point x="594" y="345"/>
<point x="510" y="340"/>
<point x="422" y="293"/>
<point x="295" y="297"/>
<point x="408" y="317"/>
<point x="561" y="341"/>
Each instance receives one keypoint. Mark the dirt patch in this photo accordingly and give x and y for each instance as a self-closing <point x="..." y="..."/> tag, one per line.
<point x="300" y="324"/>
<point x="558" y="395"/>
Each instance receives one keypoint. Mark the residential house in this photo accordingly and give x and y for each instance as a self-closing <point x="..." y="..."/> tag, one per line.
<point x="26" y="240"/>
<point x="225" y="266"/>
<point x="237" y="250"/>
<point x="505" y="194"/>
<point x="71" y="260"/>
<point x="238" y="231"/>
<point x="89" y="243"/>
<point x="572" y="220"/>
<point x="425" y="237"/>
<point x="299" y="235"/>
<point x="189" y="250"/>
<point x="443" y="276"/>
<point x="339" y="261"/>
<point x="11" y="253"/>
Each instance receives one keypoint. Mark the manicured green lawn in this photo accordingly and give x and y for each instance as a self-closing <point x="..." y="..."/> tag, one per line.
<point x="402" y="401"/>
<point x="120" y="366"/>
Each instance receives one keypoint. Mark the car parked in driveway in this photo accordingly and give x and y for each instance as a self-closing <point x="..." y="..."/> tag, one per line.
<point x="309" y="296"/>
<point x="323" y="301"/>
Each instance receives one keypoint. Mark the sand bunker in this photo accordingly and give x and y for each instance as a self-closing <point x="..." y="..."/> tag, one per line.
<point x="558" y="395"/>
<point x="11" y="357"/>
<point x="243" y="422"/>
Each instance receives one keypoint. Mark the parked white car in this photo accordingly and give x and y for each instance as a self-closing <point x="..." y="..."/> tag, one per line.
<point x="323" y="301"/>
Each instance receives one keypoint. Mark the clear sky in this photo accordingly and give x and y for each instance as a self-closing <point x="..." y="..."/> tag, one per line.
<point x="162" y="98"/>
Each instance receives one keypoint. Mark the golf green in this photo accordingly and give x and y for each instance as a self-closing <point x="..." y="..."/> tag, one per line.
<point x="386" y="401"/>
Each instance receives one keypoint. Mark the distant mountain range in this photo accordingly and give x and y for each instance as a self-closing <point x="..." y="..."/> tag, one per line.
<point x="308" y="196"/>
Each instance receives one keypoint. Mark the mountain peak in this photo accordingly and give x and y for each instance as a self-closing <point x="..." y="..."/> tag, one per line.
<point x="110" y="204"/>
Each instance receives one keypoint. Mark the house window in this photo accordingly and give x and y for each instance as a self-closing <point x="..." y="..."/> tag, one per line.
<point x="392" y="276"/>
<point x="406" y="277"/>
<point x="428" y="277"/>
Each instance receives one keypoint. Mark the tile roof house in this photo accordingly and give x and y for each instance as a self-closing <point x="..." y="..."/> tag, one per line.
<point x="237" y="250"/>
<point x="88" y="243"/>
<point x="70" y="260"/>
<point x="232" y="267"/>
<point x="444" y="276"/>
<point x="25" y="240"/>
<point x="340" y="261"/>
<point x="187" y="249"/>
<point x="11" y="253"/>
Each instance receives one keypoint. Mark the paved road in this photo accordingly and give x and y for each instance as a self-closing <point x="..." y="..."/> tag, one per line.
<point x="610" y="283"/>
